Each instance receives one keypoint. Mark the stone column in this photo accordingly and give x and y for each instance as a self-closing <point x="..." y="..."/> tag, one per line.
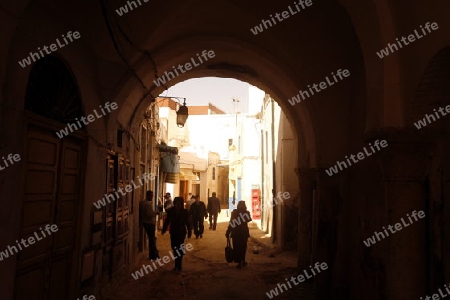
<point x="445" y="214"/>
<point x="307" y="183"/>
<point x="405" y="166"/>
<point x="326" y="211"/>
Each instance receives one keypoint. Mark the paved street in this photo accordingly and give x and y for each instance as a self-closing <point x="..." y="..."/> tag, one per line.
<point x="206" y="274"/>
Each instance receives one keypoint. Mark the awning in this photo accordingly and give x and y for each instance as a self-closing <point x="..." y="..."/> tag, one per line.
<point x="165" y="148"/>
<point x="170" y="163"/>
<point x="172" y="178"/>
<point x="187" y="175"/>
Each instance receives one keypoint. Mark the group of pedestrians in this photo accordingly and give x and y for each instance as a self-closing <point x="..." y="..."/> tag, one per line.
<point x="198" y="212"/>
<point x="182" y="220"/>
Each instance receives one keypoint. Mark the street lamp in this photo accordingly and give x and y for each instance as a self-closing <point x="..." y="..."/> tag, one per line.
<point x="182" y="114"/>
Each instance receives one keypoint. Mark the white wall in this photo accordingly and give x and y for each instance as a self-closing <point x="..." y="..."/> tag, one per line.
<point x="210" y="133"/>
<point x="255" y="99"/>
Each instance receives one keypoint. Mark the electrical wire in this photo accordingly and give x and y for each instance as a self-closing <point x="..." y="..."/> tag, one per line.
<point x="146" y="52"/>
<point x="116" y="47"/>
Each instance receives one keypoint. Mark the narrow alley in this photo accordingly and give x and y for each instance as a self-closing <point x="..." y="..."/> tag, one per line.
<point x="207" y="275"/>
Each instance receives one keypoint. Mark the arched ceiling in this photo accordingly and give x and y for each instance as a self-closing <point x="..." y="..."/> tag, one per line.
<point x="281" y="60"/>
<point x="292" y="54"/>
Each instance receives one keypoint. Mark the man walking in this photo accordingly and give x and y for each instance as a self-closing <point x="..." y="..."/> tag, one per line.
<point x="168" y="203"/>
<point x="190" y="202"/>
<point x="188" y="208"/>
<point x="177" y="218"/>
<point x="198" y="212"/>
<point x="147" y="218"/>
<point x="213" y="210"/>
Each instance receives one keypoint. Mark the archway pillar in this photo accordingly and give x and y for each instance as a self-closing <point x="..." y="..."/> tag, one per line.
<point x="445" y="214"/>
<point x="307" y="179"/>
<point x="404" y="164"/>
<point x="325" y="230"/>
<point x="317" y="226"/>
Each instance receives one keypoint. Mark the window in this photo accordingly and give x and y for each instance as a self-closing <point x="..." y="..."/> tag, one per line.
<point x="230" y="142"/>
<point x="214" y="173"/>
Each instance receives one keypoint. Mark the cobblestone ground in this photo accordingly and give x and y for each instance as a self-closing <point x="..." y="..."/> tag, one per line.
<point x="206" y="274"/>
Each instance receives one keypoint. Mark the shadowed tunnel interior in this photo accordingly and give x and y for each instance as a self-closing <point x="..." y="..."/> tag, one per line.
<point x="370" y="145"/>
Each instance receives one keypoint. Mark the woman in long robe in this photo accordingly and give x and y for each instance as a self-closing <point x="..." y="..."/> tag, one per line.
<point x="239" y="233"/>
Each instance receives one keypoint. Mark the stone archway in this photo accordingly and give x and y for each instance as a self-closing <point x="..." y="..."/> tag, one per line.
<point x="323" y="125"/>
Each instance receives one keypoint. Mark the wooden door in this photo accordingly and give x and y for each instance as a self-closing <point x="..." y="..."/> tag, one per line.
<point x="52" y="195"/>
<point x="184" y="189"/>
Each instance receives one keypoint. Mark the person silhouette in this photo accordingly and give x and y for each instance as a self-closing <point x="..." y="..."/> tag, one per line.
<point x="178" y="219"/>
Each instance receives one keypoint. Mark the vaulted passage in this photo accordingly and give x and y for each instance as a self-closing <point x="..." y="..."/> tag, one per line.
<point x="365" y="158"/>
